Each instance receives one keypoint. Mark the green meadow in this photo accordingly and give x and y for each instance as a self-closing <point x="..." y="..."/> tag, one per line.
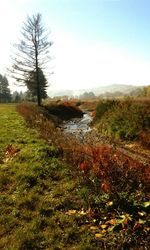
<point x="36" y="190"/>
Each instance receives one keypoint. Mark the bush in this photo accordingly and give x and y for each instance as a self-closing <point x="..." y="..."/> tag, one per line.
<point x="103" y="106"/>
<point x="123" y="119"/>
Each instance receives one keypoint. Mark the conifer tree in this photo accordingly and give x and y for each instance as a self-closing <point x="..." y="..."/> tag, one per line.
<point x="5" y="95"/>
<point x="31" y="55"/>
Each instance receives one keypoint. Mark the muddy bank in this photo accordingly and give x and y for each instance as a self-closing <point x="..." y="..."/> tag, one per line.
<point x="64" y="112"/>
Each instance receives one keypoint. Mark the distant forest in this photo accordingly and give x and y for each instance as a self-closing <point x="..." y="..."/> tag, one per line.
<point x="6" y="96"/>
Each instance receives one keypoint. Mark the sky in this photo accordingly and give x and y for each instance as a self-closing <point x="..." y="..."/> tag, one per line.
<point x="96" y="42"/>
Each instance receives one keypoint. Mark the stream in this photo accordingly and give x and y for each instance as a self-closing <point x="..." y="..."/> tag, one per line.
<point x="80" y="128"/>
<point x="78" y="125"/>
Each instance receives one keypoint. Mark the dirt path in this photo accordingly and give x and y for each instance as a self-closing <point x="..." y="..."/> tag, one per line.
<point x="133" y="150"/>
<point x="143" y="156"/>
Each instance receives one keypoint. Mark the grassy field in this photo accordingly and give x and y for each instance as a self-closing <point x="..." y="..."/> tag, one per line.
<point x="47" y="203"/>
<point x="36" y="190"/>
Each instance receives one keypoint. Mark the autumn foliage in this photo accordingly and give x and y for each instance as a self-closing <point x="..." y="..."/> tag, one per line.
<point x="115" y="171"/>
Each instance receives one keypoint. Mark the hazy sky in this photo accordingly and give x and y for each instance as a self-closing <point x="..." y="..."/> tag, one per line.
<point x="96" y="42"/>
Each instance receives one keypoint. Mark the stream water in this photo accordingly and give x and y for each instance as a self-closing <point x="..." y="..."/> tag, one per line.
<point x="78" y="125"/>
<point x="80" y="128"/>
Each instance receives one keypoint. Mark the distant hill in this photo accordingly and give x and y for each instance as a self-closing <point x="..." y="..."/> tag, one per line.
<point x="125" y="89"/>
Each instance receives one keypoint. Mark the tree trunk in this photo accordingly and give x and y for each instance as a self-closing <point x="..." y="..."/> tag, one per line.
<point x="37" y="79"/>
<point x="38" y="88"/>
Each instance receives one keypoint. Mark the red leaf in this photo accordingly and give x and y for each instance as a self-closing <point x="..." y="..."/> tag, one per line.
<point x="105" y="187"/>
<point x="84" y="166"/>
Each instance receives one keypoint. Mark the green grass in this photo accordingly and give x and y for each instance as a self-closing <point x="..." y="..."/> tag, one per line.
<point x="37" y="190"/>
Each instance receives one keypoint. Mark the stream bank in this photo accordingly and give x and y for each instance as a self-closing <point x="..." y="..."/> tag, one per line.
<point x="84" y="133"/>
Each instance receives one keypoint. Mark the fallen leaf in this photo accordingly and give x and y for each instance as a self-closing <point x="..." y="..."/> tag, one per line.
<point x="111" y="222"/>
<point x="84" y="166"/>
<point x="126" y="221"/>
<point x="142" y="221"/>
<point x="98" y="235"/>
<point x="136" y="226"/>
<point x="105" y="186"/>
<point x="146" y="204"/>
<point x="109" y="203"/>
<point x="70" y="212"/>
<point x="82" y="212"/>
<point x="142" y="213"/>
<point x="147" y="229"/>
<point x="104" y="226"/>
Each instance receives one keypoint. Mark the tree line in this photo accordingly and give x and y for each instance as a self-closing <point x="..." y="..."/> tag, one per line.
<point x="6" y="96"/>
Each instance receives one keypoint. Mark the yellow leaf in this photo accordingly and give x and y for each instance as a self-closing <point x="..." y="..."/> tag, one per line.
<point x="70" y="212"/>
<point x="82" y="212"/>
<point x="98" y="235"/>
<point x="109" y="203"/>
<point x="142" y="213"/>
<point x="103" y="226"/>
<point x="111" y="222"/>
<point x="103" y="231"/>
